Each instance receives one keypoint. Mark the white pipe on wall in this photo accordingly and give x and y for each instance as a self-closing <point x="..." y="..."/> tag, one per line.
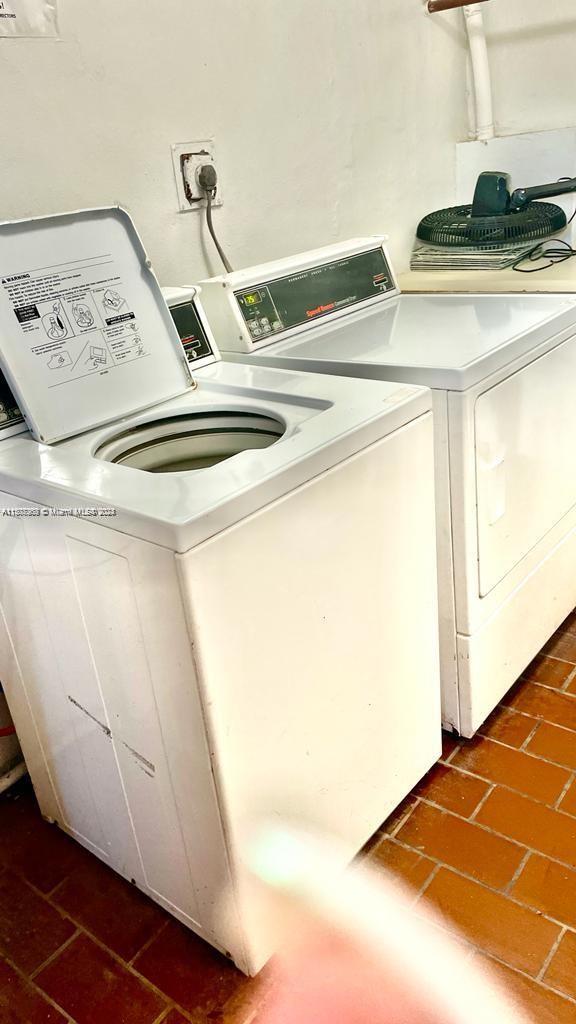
<point x="484" y="127"/>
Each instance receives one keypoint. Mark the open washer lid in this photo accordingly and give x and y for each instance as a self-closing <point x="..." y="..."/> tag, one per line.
<point x="85" y="335"/>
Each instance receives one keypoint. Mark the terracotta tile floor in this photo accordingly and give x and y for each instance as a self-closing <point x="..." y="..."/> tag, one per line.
<point x="488" y="838"/>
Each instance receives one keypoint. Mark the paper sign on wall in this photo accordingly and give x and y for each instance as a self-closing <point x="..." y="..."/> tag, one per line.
<point x="28" y="18"/>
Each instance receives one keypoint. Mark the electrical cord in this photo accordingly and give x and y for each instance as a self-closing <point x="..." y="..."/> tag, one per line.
<point x="209" y="197"/>
<point x="544" y="251"/>
<point x="207" y="180"/>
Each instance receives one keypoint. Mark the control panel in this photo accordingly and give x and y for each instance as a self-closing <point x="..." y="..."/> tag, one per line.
<point x="310" y="294"/>
<point x="192" y="334"/>
<point x="250" y="308"/>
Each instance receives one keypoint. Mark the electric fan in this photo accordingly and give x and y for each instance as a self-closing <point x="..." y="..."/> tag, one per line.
<point x="496" y="217"/>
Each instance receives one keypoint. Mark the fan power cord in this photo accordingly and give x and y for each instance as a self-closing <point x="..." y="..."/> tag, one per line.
<point x="544" y="251"/>
<point x="208" y="182"/>
<point x="559" y="253"/>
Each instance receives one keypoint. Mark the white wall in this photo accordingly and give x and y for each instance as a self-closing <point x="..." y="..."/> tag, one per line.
<point x="331" y="118"/>
<point x="532" y="47"/>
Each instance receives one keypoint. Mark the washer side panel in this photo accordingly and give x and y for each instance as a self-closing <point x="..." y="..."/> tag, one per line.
<point x="65" y="755"/>
<point x="112" y="692"/>
<point x="317" y="645"/>
<point x="17" y="590"/>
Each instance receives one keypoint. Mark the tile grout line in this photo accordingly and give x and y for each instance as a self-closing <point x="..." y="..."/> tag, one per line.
<point x="519" y="750"/>
<point x="186" y="1015"/>
<point x="530" y="737"/>
<point x="537" y="718"/>
<point x="556" y="764"/>
<point x="508" y="889"/>
<point x="404" y="819"/>
<point x="59" y="885"/>
<point x="444" y="926"/>
<point x="472" y="819"/>
<point x="448" y="759"/>
<point x="542" y="654"/>
<point x="529" y="977"/>
<point x="79" y="930"/>
<point x="564" y="695"/>
<point x="568" y="682"/>
<point x="148" y="942"/>
<point x="36" y="988"/>
<point x="129" y="967"/>
<point x="501" y="835"/>
<point x="556" y="991"/>
<point x="526" y="714"/>
<point x="425" y="885"/>
<point x="454" y="814"/>
<point x="552" y="657"/>
<point x="127" y="964"/>
<point x="82" y="930"/>
<point x="393" y="837"/>
<point x="544" y="686"/>
<point x="163" y="1015"/>
<point x="478" y="881"/>
<point x="480" y="805"/>
<point x="487" y="828"/>
<point x="54" y="956"/>
<point x="557" y="805"/>
<point x="551" y="954"/>
<point x="511" y="789"/>
<point x="553" y="640"/>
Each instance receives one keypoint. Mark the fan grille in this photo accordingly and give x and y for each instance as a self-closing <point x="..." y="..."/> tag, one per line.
<point x="455" y="226"/>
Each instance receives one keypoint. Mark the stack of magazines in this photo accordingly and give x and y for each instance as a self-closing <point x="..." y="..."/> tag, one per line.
<point x="435" y="257"/>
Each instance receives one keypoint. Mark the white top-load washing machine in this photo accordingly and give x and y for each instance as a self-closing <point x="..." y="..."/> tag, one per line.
<point x="503" y="370"/>
<point x="211" y="586"/>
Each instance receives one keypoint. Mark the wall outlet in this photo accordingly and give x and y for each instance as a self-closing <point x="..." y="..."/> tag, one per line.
<point x="187" y="157"/>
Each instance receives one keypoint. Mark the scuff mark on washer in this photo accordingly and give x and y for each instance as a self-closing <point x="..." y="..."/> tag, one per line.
<point x="101" y="725"/>
<point x="146" y="765"/>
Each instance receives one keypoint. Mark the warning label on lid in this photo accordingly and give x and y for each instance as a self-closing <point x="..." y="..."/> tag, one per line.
<point x="76" y="318"/>
<point x="28" y="18"/>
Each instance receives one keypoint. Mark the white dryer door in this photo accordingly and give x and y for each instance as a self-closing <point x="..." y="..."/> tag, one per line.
<point x="525" y="460"/>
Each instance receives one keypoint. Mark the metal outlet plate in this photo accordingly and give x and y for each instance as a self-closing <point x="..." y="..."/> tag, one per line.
<point x="186" y="158"/>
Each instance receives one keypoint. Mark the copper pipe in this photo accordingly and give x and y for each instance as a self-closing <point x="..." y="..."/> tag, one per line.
<point x="449" y="5"/>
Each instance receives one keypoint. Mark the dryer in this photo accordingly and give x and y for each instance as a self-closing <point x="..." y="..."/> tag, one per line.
<point x="502" y="369"/>
<point x="211" y="578"/>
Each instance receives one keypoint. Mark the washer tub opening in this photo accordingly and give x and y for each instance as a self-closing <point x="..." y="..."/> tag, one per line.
<point x="181" y="444"/>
